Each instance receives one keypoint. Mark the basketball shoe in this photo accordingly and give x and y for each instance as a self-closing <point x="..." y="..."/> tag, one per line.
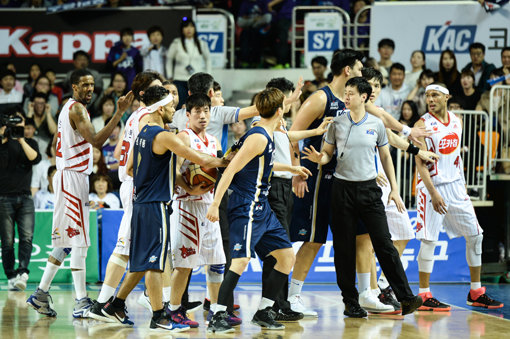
<point x="40" y="301"/>
<point x="432" y="304"/>
<point x="479" y="298"/>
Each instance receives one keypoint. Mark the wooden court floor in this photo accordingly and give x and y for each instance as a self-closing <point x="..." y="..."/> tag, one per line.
<point x="20" y="321"/>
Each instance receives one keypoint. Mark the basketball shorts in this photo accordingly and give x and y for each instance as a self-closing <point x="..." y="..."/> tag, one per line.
<point x="254" y="228"/>
<point x="71" y="214"/>
<point x="124" y="234"/>
<point x="311" y="214"/>
<point x="195" y="241"/>
<point x="399" y="224"/>
<point x="149" y="237"/>
<point x="459" y="220"/>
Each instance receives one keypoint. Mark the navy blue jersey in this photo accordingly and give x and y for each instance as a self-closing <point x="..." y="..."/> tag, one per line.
<point x="252" y="182"/>
<point x="153" y="174"/>
<point x="333" y="107"/>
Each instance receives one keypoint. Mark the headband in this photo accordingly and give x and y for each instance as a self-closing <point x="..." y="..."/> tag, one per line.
<point x="163" y="102"/>
<point x="437" y="88"/>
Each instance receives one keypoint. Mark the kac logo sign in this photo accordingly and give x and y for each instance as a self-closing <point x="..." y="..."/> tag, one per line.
<point x="456" y="38"/>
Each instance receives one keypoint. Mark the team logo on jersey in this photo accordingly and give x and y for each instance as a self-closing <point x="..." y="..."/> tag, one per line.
<point x="258" y="207"/>
<point x="371" y="131"/>
<point x="72" y="232"/>
<point x="121" y="242"/>
<point x="449" y="143"/>
<point x="187" y="251"/>
<point x="435" y="128"/>
<point x="334" y="105"/>
<point x="237" y="247"/>
<point x="302" y="231"/>
<point x="56" y="234"/>
<point x="153" y="259"/>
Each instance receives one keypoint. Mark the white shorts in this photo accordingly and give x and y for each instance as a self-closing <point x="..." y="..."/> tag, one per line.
<point x="195" y="241"/>
<point x="124" y="234"/>
<point x="459" y="220"/>
<point x="71" y="214"/>
<point x="399" y="224"/>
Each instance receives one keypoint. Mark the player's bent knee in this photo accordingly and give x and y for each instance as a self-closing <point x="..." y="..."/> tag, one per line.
<point x="119" y="259"/>
<point x="426" y="256"/>
<point x="214" y="273"/>
<point x="474" y="250"/>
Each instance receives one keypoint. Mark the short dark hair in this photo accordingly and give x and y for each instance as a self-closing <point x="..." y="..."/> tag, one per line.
<point x="76" y="75"/>
<point x="268" y="101"/>
<point x="370" y="73"/>
<point x="126" y="31"/>
<point x="7" y="72"/>
<point x="283" y="84"/>
<point x="197" y="100"/>
<point x="361" y="84"/>
<point x="80" y="53"/>
<point x="386" y="42"/>
<point x="167" y="82"/>
<point x="505" y="49"/>
<point x="454" y="100"/>
<point x="200" y="83"/>
<point x="30" y="122"/>
<point x="154" y="94"/>
<point x="142" y="81"/>
<point x="216" y="86"/>
<point x="320" y="60"/>
<point x="344" y="58"/>
<point x="48" y="150"/>
<point x="398" y="66"/>
<point x="426" y="73"/>
<point x="477" y="45"/>
<point x="99" y="176"/>
<point x="468" y="73"/>
<point x="39" y="95"/>
<point x="153" y="29"/>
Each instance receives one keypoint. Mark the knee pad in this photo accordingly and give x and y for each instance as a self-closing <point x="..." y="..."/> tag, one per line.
<point x="78" y="256"/>
<point x="60" y="253"/>
<point x="474" y="250"/>
<point x="426" y="256"/>
<point x="118" y="261"/>
<point x="214" y="273"/>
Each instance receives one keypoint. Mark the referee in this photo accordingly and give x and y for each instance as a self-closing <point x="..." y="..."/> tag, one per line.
<point x="355" y="195"/>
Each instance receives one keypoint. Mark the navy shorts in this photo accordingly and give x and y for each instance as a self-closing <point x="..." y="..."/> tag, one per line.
<point x="311" y="215"/>
<point x="150" y="232"/>
<point x="254" y="228"/>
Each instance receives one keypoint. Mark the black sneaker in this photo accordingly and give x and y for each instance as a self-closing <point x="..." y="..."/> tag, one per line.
<point x="191" y="306"/>
<point x="116" y="314"/>
<point x="165" y="323"/>
<point x="288" y="315"/>
<point x="266" y="318"/>
<point x="207" y="304"/>
<point x="95" y="311"/>
<point x="481" y="299"/>
<point x="432" y="304"/>
<point x="386" y="297"/>
<point x="355" y="311"/>
<point x="411" y="305"/>
<point x="219" y="324"/>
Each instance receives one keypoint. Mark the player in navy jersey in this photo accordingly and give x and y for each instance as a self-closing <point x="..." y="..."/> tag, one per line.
<point x="153" y="167"/>
<point x="253" y="226"/>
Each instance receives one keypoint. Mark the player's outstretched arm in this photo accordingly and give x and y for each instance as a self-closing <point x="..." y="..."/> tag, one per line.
<point x="252" y="146"/>
<point x="81" y="122"/>
<point x="400" y="143"/>
<point x="296" y="170"/>
<point x="387" y="164"/>
<point x="321" y="158"/>
<point x="323" y="128"/>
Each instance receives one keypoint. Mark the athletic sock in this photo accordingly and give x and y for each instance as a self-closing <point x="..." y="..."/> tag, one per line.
<point x="48" y="275"/>
<point x="166" y="294"/>
<point x="79" y="283"/>
<point x="363" y="281"/>
<point x="219" y="308"/>
<point x="227" y="287"/>
<point x="264" y="303"/>
<point x="382" y="282"/>
<point x="295" y="287"/>
<point x="423" y="290"/>
<point x="174" y="307"/>
<point x="106" y="293"/>
<point x="476" y="285"/>
<point x="274" y="284"/>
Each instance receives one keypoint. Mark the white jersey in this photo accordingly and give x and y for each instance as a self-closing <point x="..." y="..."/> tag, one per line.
<point x="73" y="152"/>
<point x="444" y="141"/>
<point x="130" y="133"/>
<point x="207" y="146"/>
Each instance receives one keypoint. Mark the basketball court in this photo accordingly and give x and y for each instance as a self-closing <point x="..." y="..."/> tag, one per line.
<point x="20" y="321"/>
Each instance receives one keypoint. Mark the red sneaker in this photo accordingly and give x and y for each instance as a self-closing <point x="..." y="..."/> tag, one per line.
<point x="432" y="304"/>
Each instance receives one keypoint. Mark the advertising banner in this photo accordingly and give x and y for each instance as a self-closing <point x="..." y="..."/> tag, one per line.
<point x="323" y="35"/>
<point x="435" y="26"/>
<point x="28" y="36"/>
<point x="212" y="28"/>
<point x="42" y="249"/>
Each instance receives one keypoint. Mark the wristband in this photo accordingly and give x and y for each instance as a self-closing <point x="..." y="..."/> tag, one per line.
<point x="412" y="149"/>
<point x="406" y="131"/>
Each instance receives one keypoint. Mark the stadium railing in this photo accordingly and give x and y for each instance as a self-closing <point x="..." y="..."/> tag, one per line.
<point x="499" y="115"/>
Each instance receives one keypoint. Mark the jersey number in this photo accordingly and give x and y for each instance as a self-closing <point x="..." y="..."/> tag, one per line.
<point x="124" y="153"/>
<point x="456" y="162"/>
<point x="58" y="152"/>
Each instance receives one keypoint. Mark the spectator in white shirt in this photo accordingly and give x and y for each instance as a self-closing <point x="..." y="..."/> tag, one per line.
<point x="154" y="54"/>
<point x="40" y="171"/>
<point x="101" y="196"/>
<point x="8" y="95"/>
<point x="393" y="95"/>
<point x="44" y="199"/>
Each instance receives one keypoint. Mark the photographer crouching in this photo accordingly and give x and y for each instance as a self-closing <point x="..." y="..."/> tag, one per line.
<point x="17" y="155"/>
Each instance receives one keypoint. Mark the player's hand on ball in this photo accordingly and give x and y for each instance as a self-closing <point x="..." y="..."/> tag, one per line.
<point x="303" y="172"/>
<point x="418" y="132"/>
<point x="299" y="186"/>
<point x="213" y="213"/>
<point x="438" y="203"/>
<point x="200" y="189"/>
<point x="312" y="154"/>
<point x="381" y="180"/>
<point x="398" y="202"/>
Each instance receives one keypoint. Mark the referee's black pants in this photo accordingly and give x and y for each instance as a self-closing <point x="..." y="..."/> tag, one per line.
<point x="351" y="201"/>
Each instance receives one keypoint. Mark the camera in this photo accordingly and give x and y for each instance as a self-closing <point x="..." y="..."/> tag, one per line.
<point x="12" y="131"/>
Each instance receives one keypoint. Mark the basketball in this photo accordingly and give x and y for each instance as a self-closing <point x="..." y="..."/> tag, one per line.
<point x="195" y="175"/>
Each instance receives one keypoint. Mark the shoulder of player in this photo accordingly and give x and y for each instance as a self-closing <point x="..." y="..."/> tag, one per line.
<point x="184" y="136"/>
<point x="421" y="121"/>
<point x="256" y="140"/>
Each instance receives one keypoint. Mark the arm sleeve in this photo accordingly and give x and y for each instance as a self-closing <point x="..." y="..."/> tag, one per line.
<point x="34" y="145"/>
<point x="330" y="134"/>
<point x="382" y="137"/>
<point x="228" y="114"/>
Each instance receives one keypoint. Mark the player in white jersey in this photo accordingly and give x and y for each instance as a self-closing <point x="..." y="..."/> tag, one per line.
<point x="74" y="140"/>
<point x="117" y="262"/>
<point x="443" y="201"/>
<point x="195" y="241"/>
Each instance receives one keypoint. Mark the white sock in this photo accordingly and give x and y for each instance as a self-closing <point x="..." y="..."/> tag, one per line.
<point x="295" y="287"/>
<point x="213" y="308"/>
<point x="424" y="290"/>
<point x="166" y="294"/>
<point x="363" y="281"/>
<point x="476" y="285"/>
<point x="382" y="282"/>
<point x="79" y="283"/>
<point x="264" y="303"/>
<point x="106" y="293"/>
<point x="376" y="292"/>
<point x="48" y="275"/>
<point x="174" y="307"/>
<point x="219" y="308"/>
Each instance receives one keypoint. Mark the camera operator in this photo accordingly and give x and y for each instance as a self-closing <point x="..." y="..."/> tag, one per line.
<point x="17" y="155"/>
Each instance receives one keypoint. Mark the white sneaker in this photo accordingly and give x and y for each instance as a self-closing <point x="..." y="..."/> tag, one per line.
<point x="297" y="305"/>
<point x="21" y="281"/>
<point x="144" y="301"/>
<point x="11" y="284"/>
<point x="372" y="304"/>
